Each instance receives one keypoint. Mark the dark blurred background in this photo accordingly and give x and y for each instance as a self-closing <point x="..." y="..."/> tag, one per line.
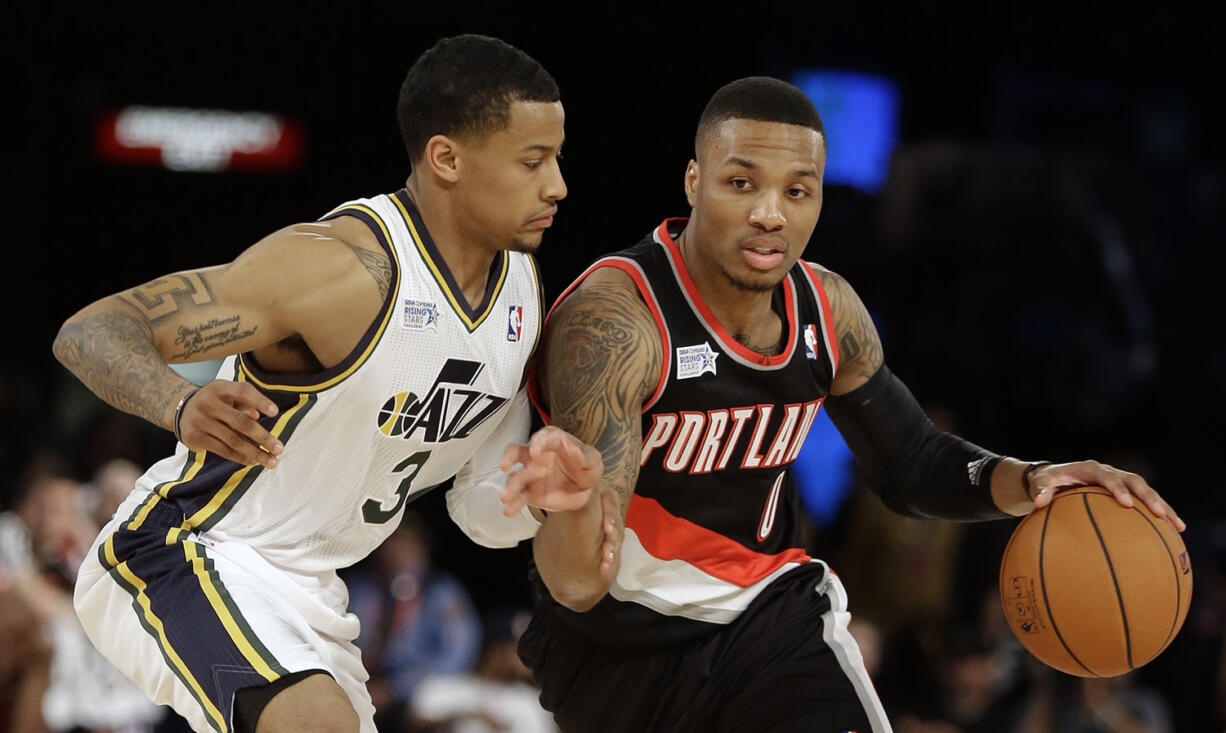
<point x="1038" y="258"/>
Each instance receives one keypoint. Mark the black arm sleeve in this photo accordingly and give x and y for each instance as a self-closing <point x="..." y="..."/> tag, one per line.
<point x="915" y="469"/>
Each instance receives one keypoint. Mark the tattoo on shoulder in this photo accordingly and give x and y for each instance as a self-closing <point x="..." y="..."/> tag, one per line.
<point x="378" y="265"/>
<point x="602" y="363"/>
<point x="859" y="343"/>
<point x="163" y="297"/>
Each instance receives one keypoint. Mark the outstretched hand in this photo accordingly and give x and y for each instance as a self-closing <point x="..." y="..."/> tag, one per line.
<point x="221" y="418"/>
<point x="558" y="475"/>
<point x="1046" y="480"/>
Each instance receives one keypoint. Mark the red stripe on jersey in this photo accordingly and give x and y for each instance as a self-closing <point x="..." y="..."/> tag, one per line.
<point x="669" y="537"/>
<point x="827" y="313"/>
<point x="534" y="389"/>
<point x="726" y="339"/>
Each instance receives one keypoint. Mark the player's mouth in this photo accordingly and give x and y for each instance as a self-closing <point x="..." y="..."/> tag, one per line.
<point x="545" y="220"/>
<point x="763" y="253"/>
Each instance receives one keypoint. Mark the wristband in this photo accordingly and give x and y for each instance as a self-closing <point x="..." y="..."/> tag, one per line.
<point x="179" y="413"/>
<point x="1026" y="475"/>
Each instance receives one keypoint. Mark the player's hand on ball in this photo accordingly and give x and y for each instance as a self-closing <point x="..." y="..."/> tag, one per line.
<point x="221" y="418"/>
<point x="559" y="472"/>
<point x="1046" y="480"/>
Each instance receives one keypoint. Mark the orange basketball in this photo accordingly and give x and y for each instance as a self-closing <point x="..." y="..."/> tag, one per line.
<point x="1093" y="588"/>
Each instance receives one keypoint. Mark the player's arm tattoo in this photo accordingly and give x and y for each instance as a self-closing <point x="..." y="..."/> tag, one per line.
<point x="378" y="265"/>
<point x="175" y="296"/>
<point x="116" y="347"/>
<point x="198" y="338"/>
<point x="166" y="296"/>
<point x="113" y="354"/>
<point x="860" y="353"/>
<point x="603" y="361"/>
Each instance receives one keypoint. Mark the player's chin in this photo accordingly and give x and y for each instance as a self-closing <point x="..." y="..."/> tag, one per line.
<point x="756" y="282"/>
<point x="527" y="242"/>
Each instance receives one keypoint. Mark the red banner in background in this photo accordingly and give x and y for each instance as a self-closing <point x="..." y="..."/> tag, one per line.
<point x="199" y="140"/>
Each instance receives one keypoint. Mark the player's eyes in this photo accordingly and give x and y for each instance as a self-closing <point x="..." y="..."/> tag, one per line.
<point x="797" y="193"/>
<point x="533" y="164"/>
<point x="740" y="183"/>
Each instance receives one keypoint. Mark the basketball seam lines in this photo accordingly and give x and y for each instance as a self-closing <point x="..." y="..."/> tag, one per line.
<point x="1043" y="582"/>
<point x="1085" y="499"/>
<point x="1175" y="568"/>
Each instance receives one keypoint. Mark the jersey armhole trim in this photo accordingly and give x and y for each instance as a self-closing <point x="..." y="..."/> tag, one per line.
<point x="832" y="343"/>
<point x="636" y="274"/>
<point x="366" y="345"/>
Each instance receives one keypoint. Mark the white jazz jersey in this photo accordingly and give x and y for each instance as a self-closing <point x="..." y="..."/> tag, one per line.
<point x="429" y="383"/>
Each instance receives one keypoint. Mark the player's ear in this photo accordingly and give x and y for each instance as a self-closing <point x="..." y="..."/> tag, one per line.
<point x="440" y="158"/>
<point x="691" y="182"/>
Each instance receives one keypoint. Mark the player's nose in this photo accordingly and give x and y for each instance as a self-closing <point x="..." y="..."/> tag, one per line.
<point x="767" y="213"/>
<point x="555" y="184"/>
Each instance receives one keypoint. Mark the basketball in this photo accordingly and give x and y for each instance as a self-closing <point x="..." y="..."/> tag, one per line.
<point x="1093" y="588"/>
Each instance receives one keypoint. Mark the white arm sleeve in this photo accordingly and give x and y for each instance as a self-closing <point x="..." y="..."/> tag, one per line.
<point x="473" y="501"/>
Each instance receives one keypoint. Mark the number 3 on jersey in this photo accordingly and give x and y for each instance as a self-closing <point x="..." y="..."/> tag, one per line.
<point x="373" y="511"/>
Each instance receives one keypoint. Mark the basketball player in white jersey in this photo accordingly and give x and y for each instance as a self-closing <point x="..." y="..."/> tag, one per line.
<point x="696" y="361"/>
<point x="370" y="355"/>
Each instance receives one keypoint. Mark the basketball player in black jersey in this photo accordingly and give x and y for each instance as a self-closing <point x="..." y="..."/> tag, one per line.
<point x="695" y="362"/>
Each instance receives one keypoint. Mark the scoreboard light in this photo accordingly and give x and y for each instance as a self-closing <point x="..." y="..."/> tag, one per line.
<point x="861" y="115"/>
<point x="198" y="140"/>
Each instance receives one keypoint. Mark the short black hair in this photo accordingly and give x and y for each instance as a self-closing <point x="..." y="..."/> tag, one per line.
<point x="464" y="85"/>
<point x="762" y="98"/>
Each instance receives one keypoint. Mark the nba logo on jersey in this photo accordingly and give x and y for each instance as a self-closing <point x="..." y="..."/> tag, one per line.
<point x="810" y="341"/>
<point x="420" y="315"/>
<point x="515" y="323"/>
<point x="694" y="361"/>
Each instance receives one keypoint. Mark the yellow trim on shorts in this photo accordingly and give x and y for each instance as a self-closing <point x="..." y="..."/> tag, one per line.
<point x="156" y="623"/>
<point x="161" y="492"/>
<point x="240" y="640"/>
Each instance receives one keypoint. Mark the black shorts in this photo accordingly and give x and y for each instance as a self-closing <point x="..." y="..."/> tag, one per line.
<point x="786" y="664"/>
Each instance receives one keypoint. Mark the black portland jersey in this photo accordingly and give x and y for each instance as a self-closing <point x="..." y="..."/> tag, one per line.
<point x="715" y="516"/>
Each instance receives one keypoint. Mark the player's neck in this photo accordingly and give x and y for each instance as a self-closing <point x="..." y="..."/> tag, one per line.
<point x="467" y="259"/>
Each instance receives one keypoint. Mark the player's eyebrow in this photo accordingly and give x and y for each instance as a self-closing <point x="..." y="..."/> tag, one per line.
<point x="750" y="165"/>
<point x="542" y="148"/>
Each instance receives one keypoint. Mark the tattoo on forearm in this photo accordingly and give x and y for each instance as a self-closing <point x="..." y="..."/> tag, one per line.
<point x="602" y="364"/>
<point x="215" y="332"/>
<point x="114" y="356"/>
<point x="859" y="344"/>
<point x="378" y="265"/>
<point x="162" y="297"/>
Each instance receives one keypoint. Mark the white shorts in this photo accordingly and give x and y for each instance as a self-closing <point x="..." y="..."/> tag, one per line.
<point x="192" y="621"/>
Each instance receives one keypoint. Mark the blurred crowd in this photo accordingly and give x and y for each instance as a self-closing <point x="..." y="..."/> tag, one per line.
<point x="440" y="649"/>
